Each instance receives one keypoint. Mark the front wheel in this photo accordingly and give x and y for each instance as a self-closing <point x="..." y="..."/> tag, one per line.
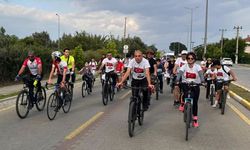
<point x="211" y="96"/>
<point x="67" y="102"/>
<point x="140" y="113"/>
<point x="22" y="103"/>
<point x="131" y="118"/>
<point x="188" y="118"/>
<point x="52" y="106"/>
<point x="83" y="89"/>
<point x="105" y="94"/>
<point x="40" y="99"/>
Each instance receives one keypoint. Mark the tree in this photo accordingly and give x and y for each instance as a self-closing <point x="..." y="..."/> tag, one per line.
<point x="78" y="56"/>
<point x="177" y="47"/>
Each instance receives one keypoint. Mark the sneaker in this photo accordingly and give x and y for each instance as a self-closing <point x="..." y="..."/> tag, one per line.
<point x="195" y="122"/>
<point x="176" y="103"/>
<point x="181" y="107"/>
<point x="215" y="104"/>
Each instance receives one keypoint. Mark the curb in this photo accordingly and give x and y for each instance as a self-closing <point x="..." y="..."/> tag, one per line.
<point x="241" y="100"/>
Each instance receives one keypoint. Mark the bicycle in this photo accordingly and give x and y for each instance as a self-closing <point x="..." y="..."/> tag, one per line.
<point x="188" y="106"/>
<point x="107" y="89"/>
<point x="85" y="87"/>
<point x="171" y="82"/>
<point x="157" y="88"/>
<point x="223" y="94"/>
<point x="136" y="110"/>
<point x="23" y="99"/>
<point x="212" y="92"/>
<point x="54" y="104"/>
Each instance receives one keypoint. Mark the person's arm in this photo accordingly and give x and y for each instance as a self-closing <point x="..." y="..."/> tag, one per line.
<point x="233" y="75"/>
<point x="179" y="75"/>
<point x="166" y="65"/>
<point x="155" y="69"/>
<point x="125" y="76"/>
<point x="64" y="75"/>
<point x="21" y="70"/>
<point x="148" y="78"/>
<point x="51" y="74"/>
<point x="73" y="66"/>
<point x="175" y="69"/>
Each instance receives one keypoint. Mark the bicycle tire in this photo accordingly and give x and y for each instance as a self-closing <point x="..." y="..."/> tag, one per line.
<point x="67" y="102"/>
<point x="105" y="94"/>
<point x="211" y="96"/>
<point x="83" y="89"/>
<point x="111" y="93"/>
<point x="131" y="118"/>
<point x="157" y="91"/>
<point x="52" y="104"/>
<point x="71" y="90"/>
<point x="41" y="99"/>
<point x="23" y="99"/>
<point x="188" y="119"/>
<point x="223" y="102"/>
<point x="140" y="112"/>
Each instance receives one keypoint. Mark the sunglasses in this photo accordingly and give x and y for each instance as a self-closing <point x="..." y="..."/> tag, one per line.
<point x="137" y="55"/>
<point x="190" y="58"/>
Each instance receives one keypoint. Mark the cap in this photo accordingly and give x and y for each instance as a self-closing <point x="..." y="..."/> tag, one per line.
<point x="184" y="52"/>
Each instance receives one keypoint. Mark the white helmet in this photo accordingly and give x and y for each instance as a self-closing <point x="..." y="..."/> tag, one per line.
<point x="56" y="54"/>
<point x="184" y="52"/>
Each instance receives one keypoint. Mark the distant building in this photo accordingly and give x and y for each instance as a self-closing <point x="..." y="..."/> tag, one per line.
<point x="247" y="48"/>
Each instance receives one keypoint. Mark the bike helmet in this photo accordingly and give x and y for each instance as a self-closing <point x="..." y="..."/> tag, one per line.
<point x="184" y="52"/>
<point x="56" y="55"/>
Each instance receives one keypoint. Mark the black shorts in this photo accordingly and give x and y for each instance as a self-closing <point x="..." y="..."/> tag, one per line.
<point x="219" y="85"/>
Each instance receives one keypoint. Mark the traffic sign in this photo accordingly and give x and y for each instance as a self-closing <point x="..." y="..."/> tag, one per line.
<point x="125" y="47"/>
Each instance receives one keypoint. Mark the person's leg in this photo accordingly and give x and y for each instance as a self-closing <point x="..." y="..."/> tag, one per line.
<point x="161" y="83"/>
<point x="196" y="92"/>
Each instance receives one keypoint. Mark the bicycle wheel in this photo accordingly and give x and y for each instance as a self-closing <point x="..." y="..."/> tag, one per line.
<point x="52" y="106"/>
<point x="223" y="102"/>
<point x="211" y="96"/>
<point x="105" y="94"/>
<point x="83" y="89"/>
<point x="40" y="99"/>
<point x="131" y="118"/>
<point x="71" y="90"/>
<point x="111" y="92"/>
<point x="188" y="119"/>
<point x="22" y="103"/>
<point x="67" y="102"/>
<point x="140" y="112"/>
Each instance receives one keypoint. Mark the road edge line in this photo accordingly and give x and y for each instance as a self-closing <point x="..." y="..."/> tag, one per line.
<point x="241" y="100"/>
<point x="240" y="114"/>
<point x="83" y="126"/>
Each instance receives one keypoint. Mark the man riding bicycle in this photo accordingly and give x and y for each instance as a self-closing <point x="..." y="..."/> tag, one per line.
<point x="110" y="64"/>
<point x="63" y="74"/>
<point x="35" y="68"/>
<point x="70" y="63"/>
<point x="139" y="68"/>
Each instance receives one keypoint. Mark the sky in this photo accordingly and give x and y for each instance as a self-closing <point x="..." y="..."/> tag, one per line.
<point x="158" y="22"/>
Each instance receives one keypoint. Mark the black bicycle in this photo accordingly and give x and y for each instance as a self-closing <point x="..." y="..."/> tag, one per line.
<point x="23" y="99"/>
<point x="212" y="92"/>
<point x="136" y="110"/>
<point x="85" y="87"/>
<point x="188" y="106"/>
<point x="108" y="89"/>
<point x="223" y="94"/>
<point x="172" y="82"/>
<point x="157" y="88"/>
<point x="61" y="97"/>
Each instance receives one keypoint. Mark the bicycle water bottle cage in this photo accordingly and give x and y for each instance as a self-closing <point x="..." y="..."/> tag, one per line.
<point x="188" y="100"/>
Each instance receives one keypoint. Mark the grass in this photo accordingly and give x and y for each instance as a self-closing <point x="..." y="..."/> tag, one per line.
<point x="8" y="95"/>
<point x="241" y="92"/>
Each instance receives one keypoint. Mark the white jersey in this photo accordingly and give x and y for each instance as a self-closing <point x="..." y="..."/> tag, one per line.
<point x="210" y="73"/>
<point x="126" y="62"/>
<point x="222" y="75"/>
<point x="60" y="67"/>
<point x="180" y="62"/>
<point x="191" y="74"/>
<point x="109" y="64"/>
<point x="139" y="69"/>
<point x="93" y="65"/>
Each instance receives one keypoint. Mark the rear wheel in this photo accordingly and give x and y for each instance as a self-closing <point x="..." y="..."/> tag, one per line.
<point x="131" y="118"/>
<point x="22" y="103"/>
<point x="223" y="102"/>
<point x="211" y="96"/>
<point x="40" y="99"/>
<point x="140" y="113"/>
<point x="83" y="89"/>
<point x="52" y="106"/>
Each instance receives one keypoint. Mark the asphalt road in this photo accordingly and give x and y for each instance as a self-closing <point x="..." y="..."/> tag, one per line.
<point x="242" y="74"/>
<point x="163" y="126"/>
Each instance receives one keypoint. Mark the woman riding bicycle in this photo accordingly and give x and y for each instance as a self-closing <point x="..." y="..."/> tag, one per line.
<point x="191" y="72"/>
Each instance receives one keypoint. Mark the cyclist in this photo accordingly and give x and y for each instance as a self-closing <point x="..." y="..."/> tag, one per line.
<point x="139" y="67"/>
<point x="35" y="73"/>
<point x="87" y="75"/>
<point x="63" y="73"/>
<point x="209" y="75"/>
<point x="110" y="64"/>
<point x="191" y="72"/>
<point x="169" y="66"/>
<point x="93" y="65"/>
<point x="180" y="61"/>
<point x="70" y="63"/>
<point x="208" y="63"/>
<point x="160" y="70"/>
<point x="119" y="68"/>
<point x="203" y="64"/>
<point x="223" y="73"/>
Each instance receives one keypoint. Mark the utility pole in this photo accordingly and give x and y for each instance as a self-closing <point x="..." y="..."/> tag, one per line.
<point x="58" y="31"/>
<point x="125" y="28"/>
<point x="222" y="38"/>
<point x="205" y="38"/>
<point x="237" y="43"/>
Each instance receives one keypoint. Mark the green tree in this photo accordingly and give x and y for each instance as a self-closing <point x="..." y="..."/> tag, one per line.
<point x="177" y="47"/>
<point x="79" y="57"/>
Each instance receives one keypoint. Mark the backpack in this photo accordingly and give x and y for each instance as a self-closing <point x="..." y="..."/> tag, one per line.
<point x="228" y="73"/>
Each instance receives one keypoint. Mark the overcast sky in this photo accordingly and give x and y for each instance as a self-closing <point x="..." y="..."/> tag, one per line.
<point x="158" y="22"/>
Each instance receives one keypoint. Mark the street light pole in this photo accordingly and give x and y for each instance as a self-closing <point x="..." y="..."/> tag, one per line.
<point x="191" y="26"/>
<point x="58" y="16"/>
<point x="205" y="38"/>
<point x="237" y="43"/>
<point x="222" y="38"/>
